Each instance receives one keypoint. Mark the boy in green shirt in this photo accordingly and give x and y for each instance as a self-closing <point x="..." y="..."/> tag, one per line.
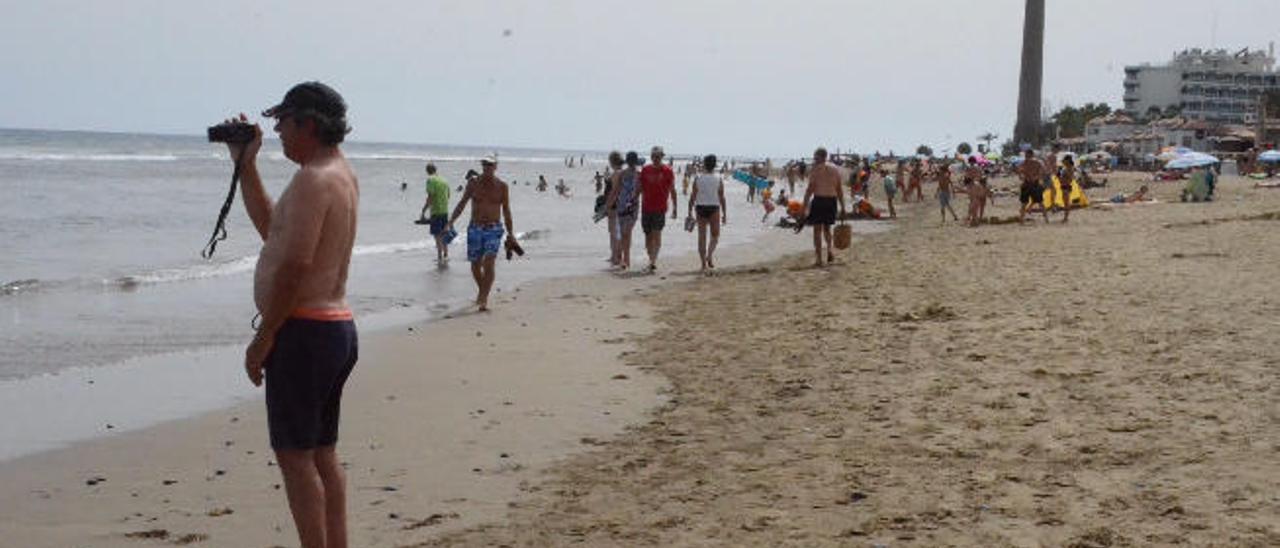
<point x="438" y="201"/>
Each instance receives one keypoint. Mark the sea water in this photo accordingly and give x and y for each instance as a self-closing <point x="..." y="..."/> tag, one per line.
<point x="108" y="314"/>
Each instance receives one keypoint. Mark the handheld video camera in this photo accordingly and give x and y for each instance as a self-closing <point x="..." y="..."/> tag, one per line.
<point x="231" y="132"/>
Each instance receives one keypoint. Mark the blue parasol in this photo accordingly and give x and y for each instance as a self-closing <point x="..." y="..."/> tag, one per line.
<point x="1191" y="159"/>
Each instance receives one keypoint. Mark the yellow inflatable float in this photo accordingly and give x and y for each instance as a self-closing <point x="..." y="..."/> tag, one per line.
<point x="1053" y="196"/>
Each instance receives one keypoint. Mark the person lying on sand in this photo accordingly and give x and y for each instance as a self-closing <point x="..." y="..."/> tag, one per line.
<point x="1139" y="196"/>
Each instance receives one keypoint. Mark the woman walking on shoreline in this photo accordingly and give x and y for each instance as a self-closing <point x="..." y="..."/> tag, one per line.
<point x="707" y="201"/>
<point x="625" y="198"/>
<point x="611" y="210"/>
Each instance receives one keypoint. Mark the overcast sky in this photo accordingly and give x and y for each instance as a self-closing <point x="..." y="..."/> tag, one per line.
<point x="758" y="77"/>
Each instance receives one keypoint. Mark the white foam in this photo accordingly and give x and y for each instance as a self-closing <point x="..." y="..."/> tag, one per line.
<point x="195" y="272"/>
<point x="246" y="264"/>
<point x="394" y="247"/>
<point x="56" y="157"/>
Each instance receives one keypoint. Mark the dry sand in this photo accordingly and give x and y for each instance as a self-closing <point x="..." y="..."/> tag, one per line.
<point x="1105" y="383"/>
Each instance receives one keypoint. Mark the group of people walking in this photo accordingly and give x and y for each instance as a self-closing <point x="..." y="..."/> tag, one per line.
<point x="633" y="191"/>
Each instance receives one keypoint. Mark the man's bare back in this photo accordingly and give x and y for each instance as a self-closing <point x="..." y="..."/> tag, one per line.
<point x="318" y="206"/>
<point x="824" y="180"/>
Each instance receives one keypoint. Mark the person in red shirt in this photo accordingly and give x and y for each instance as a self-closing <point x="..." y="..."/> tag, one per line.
<point x="657" y="182"/>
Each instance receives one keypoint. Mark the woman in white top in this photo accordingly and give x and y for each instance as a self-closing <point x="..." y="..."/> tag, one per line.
<point x="707" y="201"/>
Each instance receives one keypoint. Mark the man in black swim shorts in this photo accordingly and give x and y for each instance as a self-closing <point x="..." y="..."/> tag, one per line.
<point x="820" y="198"/>
<point x="305" y="345"/>
<point x="1031" y="191"/>
<point x="822" y="211"/>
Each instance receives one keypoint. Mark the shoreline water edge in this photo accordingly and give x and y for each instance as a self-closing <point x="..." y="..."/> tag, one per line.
<point x="136" y="345"/>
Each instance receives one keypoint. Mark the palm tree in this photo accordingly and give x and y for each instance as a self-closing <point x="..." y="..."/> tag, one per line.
<point x="1026" y="130"/>
<point x="987" y="138"/>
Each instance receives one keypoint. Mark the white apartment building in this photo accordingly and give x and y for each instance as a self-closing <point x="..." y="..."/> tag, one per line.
<point x="1212" y="85"/>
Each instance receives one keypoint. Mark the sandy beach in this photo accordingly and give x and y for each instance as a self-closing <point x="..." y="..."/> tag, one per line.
<point x="1104" y="383"/>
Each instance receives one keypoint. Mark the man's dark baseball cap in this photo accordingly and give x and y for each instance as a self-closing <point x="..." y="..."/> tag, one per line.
<point x="310" y="96"/>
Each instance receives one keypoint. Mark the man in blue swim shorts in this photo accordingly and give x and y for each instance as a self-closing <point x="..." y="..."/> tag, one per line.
<point x="483" y="241"/>
<point x="490" y="211"/>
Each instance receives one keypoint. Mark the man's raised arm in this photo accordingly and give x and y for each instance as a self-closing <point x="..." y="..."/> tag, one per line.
<point x="256" y="201"/>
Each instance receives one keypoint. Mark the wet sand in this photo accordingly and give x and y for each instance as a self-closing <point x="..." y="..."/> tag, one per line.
<point x="445" y="425"/>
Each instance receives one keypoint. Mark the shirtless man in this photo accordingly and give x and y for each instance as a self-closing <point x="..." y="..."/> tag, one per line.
<point x="1032" y="190"/>
<point x="793" y="173"/>
<point x="820" y="199"/>
<point x="490" y="209"/>
<point x="917" y="179"/>
<point x="975" y="190"/>
<point x="306" y="340"/>
<point x="900" y="179"/>
<point x="944" y="192"/>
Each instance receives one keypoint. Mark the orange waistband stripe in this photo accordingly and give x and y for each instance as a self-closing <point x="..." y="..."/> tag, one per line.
<point x="322" y="314"/>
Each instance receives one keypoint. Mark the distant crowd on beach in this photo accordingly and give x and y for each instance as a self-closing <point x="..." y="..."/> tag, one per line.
<point x="632" y="190"/>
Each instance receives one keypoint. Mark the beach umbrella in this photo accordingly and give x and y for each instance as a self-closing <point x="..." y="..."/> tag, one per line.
<point x="1190" y="160"/>
<point x="1171" y="153"/>
<point x="1270" y="157"/>
<point x="980" y="158"/>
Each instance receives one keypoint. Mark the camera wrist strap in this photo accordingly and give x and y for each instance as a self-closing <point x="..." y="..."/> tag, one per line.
<point x="220" y="229"/>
